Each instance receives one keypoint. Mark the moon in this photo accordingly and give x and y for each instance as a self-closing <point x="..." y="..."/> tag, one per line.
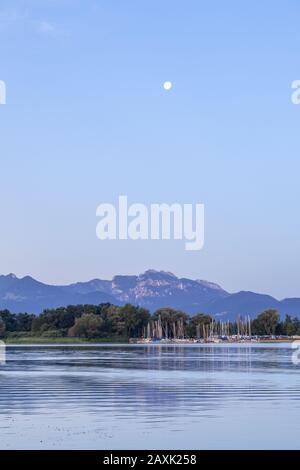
<point x="168" y="85"/>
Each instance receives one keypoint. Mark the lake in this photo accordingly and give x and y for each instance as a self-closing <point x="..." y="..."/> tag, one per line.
<point x="236" y="396"/>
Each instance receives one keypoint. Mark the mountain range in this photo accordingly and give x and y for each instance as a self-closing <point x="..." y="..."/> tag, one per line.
<point x="152" y="289"/>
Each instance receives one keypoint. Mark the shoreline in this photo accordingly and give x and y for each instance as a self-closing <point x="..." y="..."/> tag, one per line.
<point x="36" y="341"/>
<point x="62" y="341"/>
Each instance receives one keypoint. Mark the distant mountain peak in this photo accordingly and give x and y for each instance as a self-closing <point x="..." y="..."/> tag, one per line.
<point x="29" y="278"/>
<point x="150" y="272"/>
<point x="11" y="276"/>
<point x="152" y="289"/>
<point x="159" y="275"/>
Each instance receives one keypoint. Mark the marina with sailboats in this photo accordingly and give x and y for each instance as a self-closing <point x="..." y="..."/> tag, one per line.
<point x="159" y="331"/>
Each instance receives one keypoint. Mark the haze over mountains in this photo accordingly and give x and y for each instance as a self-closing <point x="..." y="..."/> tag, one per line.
<point x="152" y="289"/>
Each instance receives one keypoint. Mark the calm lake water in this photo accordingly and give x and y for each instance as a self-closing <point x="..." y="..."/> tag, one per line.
<point x="153" y="397"/>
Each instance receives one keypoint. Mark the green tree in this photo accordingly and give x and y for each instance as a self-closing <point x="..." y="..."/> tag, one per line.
<point x="290" y="326"/>
<point x="196" y="323"/>
<point x="23" y="321"/>
<point x="9" y="320"/>
<point x="266" y="322"/>
<point x="136" y="319"/>
<point x="2" y="328"/>
<point x="171" y="320"/>
<point x="114" y="319"/>
<point x="88" y="325"/>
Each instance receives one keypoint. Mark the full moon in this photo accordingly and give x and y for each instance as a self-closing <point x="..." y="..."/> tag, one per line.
<point x="168" y="85"/>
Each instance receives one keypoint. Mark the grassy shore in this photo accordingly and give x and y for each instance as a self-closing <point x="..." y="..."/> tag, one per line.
<point x="63" y="340"/>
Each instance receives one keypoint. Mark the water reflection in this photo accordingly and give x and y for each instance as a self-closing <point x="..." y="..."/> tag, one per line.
<point x="172" y="387"/>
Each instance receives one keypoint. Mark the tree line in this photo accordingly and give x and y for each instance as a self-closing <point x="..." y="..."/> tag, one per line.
<point x="129" y="321"/>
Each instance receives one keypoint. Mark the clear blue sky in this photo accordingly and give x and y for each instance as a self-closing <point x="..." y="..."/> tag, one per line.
<point x="87" y="119"/>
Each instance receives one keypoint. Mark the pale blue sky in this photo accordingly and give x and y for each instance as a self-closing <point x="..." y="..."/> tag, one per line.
<point x="87" y="119"/>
